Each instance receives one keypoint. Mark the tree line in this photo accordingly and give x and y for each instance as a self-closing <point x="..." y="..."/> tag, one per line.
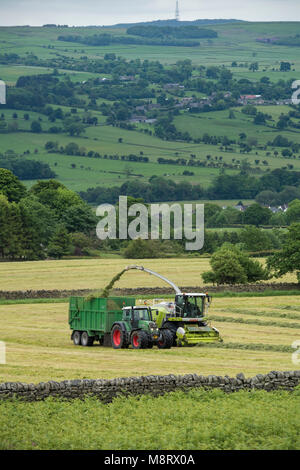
<point x="224" y="186"/>
<point x="108" y="39"/>
<point x="231" y="265"/>
<point x="26" y="169"/>
<point x="181" y="32"/>
<point x="47" y="220"/>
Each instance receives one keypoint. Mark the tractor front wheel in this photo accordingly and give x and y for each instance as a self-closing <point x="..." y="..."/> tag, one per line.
<point x="139" y="340"/>
<point x="118" y="339"/>
<point x="166" y="340"/>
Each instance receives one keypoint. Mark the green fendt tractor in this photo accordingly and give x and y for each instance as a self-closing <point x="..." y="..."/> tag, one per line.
<point x="186" y="318"/>
<point x="116" y="322"/>
<point x="138" y="328"/>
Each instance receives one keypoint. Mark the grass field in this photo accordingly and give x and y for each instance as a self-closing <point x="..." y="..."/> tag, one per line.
<point x="105" y="140"/>
<point x="203" y="420"/>
<point x="96" y="273"/>
<point x="218" y="123"/>
<point x="10" y="74"/>
<point x="90" y="172"/>
<point x="39" y="348"/>
<point x="235" y="42"/>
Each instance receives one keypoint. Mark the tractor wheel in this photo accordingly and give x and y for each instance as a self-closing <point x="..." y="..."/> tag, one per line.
<point x="150" y="345"/>
<point x="118" y="339"/>
<point x="77" y="338"/>
<point x="139" y="340"/>
<point x="172" y="328"/>
<point x="166" y="341"/>
<point x="87" y="340"/>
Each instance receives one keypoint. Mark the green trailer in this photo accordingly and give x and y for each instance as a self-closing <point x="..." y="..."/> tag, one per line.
<point x="116" y="322"/>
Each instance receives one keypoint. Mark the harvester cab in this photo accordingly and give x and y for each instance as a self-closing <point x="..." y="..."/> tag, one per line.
<point x="192" y="305"/>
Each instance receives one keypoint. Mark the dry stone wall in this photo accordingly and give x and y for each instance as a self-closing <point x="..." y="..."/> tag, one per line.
<point x="158" y="291"/>
<point x="107" y="390"/>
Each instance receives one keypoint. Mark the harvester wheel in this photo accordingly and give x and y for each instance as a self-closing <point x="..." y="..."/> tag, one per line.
<point x="118" y="339"/>
<point x="76" y="338"/>
<point x="166" y="341"/>
<point x="139" y="340"/>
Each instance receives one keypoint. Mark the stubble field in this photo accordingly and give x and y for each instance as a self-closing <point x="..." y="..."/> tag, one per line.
<point x="96" y="273"/>
<point x="258" y="333"/>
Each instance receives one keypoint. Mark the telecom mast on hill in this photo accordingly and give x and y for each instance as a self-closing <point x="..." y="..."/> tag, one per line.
<point x="177" y="16"/>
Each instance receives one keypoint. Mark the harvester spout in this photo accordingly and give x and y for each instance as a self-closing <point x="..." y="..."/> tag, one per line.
<point x="149" y="271"/>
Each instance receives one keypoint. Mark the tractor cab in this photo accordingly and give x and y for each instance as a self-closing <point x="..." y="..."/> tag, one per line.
<point x="138" y="317"/>
<point x="191" y="305"/>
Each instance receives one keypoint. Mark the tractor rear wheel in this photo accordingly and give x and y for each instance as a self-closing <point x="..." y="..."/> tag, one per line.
<point x="86" y="340"/>
<point x="166" y="340"/>
<point x="139" y="340"/>
<point x="77" y="338"/>
<point x="118" y="339"/>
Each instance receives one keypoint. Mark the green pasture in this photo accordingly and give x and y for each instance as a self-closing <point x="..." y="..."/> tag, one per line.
<point x="218" y="123"/>
<point x="10" y="74"/>
<point x="236" y="41"/>
<point x="105" y="140"/>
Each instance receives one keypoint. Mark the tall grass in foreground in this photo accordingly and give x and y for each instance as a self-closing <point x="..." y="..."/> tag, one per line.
<point x="178" y="420"/>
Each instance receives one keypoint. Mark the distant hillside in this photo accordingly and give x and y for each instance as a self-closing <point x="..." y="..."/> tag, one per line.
<point x="174" y="22"/>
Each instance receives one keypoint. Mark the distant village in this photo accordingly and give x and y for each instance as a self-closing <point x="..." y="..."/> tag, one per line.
<point x="275" y="210"/>
<point x="193" y="103"/>
<point x="139" y="116"/>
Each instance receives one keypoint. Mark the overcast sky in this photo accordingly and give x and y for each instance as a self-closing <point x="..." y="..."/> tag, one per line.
<point x="107" y="12"/>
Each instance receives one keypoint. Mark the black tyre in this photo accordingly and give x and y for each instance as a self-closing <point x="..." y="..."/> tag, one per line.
<point x="77" y="338"/>
<point x="139" y="340"/>
<point x="166" y="340"/>
<point x="87" y="340"/>
<point x="172" y="327"/>
<point x="118" y="338"/>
